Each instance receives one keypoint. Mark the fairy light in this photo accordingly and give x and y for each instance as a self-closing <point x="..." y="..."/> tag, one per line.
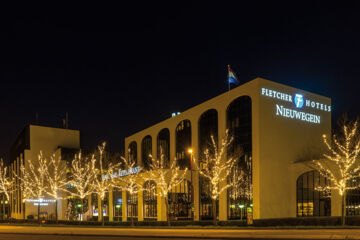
<point x="217" y="169"/>
<point x="341" y="164"/>
<point x="131" y="182"/>
<point x="57" y="179"/>
<point x="81" y="176"/>
<point x="165" y="178"/>
<point x="6" y="182"/>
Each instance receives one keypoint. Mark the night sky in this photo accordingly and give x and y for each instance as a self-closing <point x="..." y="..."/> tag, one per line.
<point x="117" y="69"/>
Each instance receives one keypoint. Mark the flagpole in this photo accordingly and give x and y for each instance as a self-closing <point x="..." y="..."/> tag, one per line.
<point x="228" y="77"/>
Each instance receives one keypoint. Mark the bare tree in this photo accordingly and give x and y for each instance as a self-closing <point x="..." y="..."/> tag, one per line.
<point x="6" y="185"/>
<point x="33" y="181"/>
<point x="102" y="178"/>
<point x="341" y="163"/>
<point x="216" y="168"/>
<point x="57" y="180"/>
<point x="131" y="180"/>
<point x="165" y="178"/>
<point x="81" y="177"/>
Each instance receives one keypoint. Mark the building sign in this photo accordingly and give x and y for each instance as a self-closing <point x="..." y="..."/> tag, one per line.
<point x="41" y="201"/>
<point x="122" y="173"/>
<point x="299" y="102"/>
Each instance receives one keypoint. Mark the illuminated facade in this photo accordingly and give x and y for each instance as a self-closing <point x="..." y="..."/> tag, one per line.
<point x="27" y="146"/>
<point x="274" y="127"/>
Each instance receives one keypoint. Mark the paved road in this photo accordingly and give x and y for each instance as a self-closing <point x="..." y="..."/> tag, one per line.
<point x="33" y="232"/>
<point x="5" y="236"/>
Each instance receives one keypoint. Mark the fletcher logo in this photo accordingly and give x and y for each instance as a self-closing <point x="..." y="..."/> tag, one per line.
<point x="299" y="100"/>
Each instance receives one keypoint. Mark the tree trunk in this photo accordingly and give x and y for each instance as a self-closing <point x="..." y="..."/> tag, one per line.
<point x="39" y="212"/>
<point x="102" y="213"/>
<point x="56" y="211"/>
<point x="343" y="208"/>
<point x="3" y="207"/>
<point x="82" y="210"/>
<point x="214" y="211"/>
<point x="167" y="212"/>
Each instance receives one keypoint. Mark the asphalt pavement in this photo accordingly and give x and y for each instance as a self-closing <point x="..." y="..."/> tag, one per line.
<point x="47" y="232"/>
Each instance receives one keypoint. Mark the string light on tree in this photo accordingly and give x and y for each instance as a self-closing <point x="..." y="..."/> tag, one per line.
<point x="217" y="169"/>
<point x="165" y="178"/>
<point x="341" y="163"/>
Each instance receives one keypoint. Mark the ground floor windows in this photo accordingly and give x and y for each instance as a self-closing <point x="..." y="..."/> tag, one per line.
<point x="150" y="200"/>
<point x="206" y="210"/>
<point x="94" y="206"/>
<point x="353" y="198"/>
<point x="117" y="205"/>
<point x="309" y="201"/>
<point x="239" y="194"/>
<point x="132" y="205"/>
<point x="180" y="201"/>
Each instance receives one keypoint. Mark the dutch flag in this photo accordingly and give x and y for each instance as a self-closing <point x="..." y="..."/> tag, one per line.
<point x="232" y="77"/>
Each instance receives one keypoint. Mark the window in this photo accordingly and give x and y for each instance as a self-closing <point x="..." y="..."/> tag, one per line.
<point x="146" y="149"/>
<point x="117" y="204"/>
<point x="183" y="143"/>
<point x="179" y="199"/>
<point x="353" y="199"/>
<point x="238" y="122"/>
<point x="132" y="205"/>
<point x="132" y="152"/>
<point x="150" y="200"/>
<point x="94" y="205"/>
<point x="163" y="146"/>
<point x="310" y="202"/>
<point x="208" y="126"/>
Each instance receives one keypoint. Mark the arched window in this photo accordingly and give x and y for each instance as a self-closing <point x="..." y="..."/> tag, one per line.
<point x="132" y="152"/>
<point x="179" y="198"/>
<point x="146" y="151"/>
<point x="163" y="146"/>
<point x="310" y="202"/>
<point x="117" y="205"/>
<point x="208" y="126"/>
<point x="183" y="143"/>
<point x="132" y="205"/>
<point x="150" y="200"/>
<point x="238" y="123"/>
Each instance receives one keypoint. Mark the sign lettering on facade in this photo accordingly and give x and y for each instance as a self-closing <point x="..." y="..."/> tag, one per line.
<point x="299" y="102"/>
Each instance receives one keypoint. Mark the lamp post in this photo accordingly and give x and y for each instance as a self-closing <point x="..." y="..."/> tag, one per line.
<point x="191" y="183"/>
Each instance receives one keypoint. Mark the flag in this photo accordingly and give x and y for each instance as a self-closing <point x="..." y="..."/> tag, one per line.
<point x="231" y="76"/>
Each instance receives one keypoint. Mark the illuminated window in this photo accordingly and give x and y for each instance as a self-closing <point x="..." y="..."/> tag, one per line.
<point x="310" y="202"/>
<point x="117" y="205"/>
<point x="150" y="200"/>
<point x="132" y="205"/>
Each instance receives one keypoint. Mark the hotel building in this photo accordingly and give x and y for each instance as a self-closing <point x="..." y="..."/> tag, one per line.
<point x="275" y="129"/>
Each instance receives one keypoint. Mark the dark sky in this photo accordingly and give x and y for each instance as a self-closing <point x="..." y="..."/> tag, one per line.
<point x="120" y="68"/>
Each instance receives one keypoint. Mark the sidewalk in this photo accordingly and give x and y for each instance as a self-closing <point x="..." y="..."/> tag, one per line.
<point x="189" y="233"/>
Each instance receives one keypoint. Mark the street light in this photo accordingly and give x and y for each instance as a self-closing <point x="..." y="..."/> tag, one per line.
<point x="191" y="183"/>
